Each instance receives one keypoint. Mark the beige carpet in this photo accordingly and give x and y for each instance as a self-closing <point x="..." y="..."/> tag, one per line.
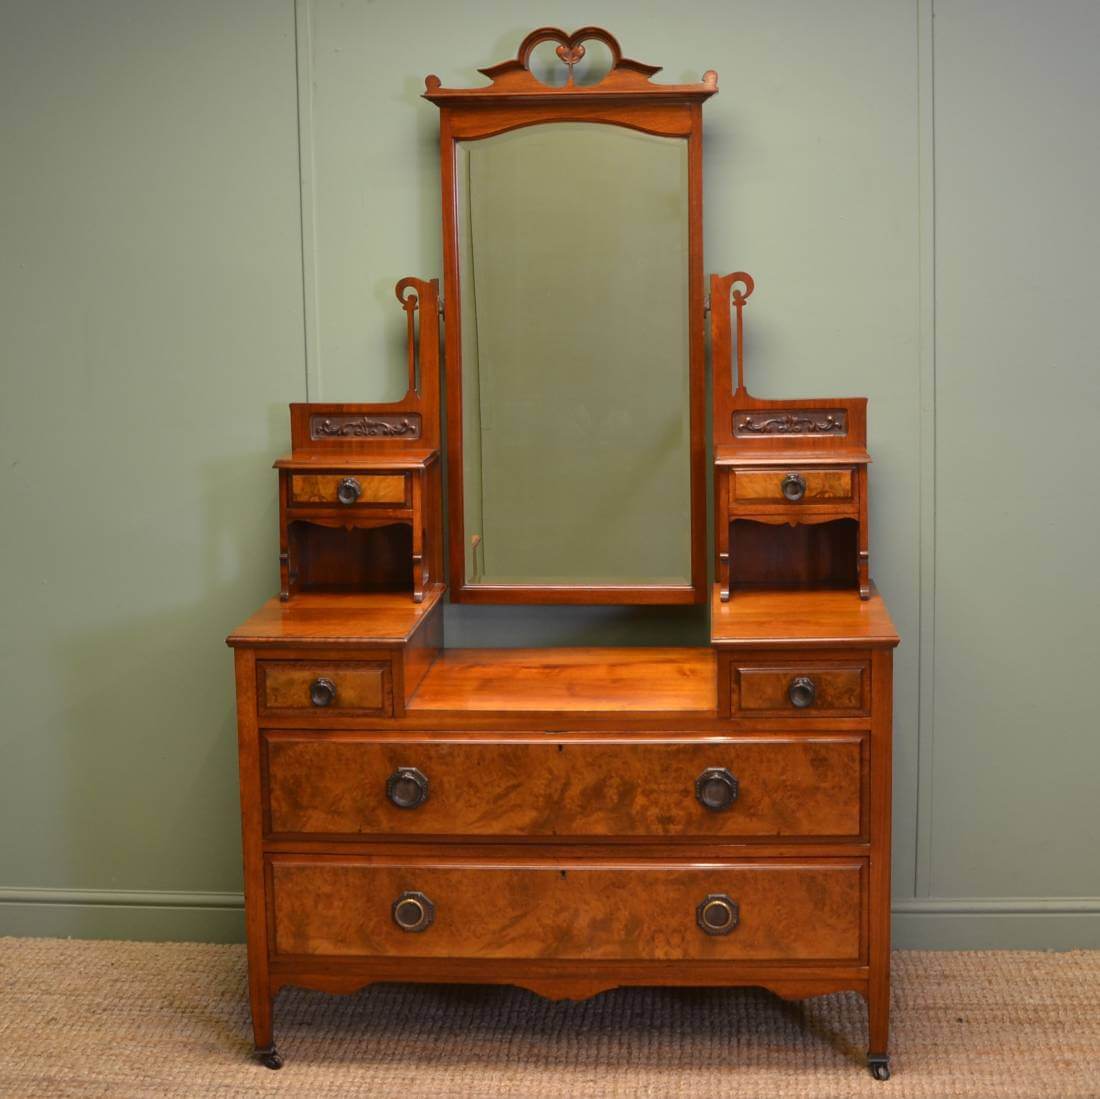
<point x="171" y="1019"/>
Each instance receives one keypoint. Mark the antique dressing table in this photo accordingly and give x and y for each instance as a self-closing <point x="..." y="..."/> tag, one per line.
<point x="570" y="819"/>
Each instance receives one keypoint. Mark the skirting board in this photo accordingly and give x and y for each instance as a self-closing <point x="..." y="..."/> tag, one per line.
<point x="1012" y="923"/>
<point x="147" y="916"/>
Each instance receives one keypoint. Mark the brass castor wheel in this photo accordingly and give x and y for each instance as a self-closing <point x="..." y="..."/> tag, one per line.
<point x="879" y="1064"/>
<point x="269" y="1058"/>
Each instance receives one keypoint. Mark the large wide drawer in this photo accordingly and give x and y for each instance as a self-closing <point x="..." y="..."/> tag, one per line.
<point x="806" y="911"/>
<point x="355" y="784"/>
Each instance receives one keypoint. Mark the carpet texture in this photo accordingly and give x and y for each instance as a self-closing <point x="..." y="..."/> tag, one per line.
<point x="171" y="1019"/>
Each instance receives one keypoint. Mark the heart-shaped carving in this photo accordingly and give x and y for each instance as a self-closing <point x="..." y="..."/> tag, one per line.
<point x="570" y="54"/>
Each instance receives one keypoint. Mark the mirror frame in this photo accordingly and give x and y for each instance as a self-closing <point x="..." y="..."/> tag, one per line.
<point x="624" y="97"/>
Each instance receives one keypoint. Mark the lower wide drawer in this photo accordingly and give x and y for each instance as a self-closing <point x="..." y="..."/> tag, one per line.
<point x="355" y="785"/>
<point x="759" y="911"/>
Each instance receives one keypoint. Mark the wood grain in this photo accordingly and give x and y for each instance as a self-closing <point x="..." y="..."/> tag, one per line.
<point x="359" y="686"/>
<point x="763" y="688"/>
<point x="321" y="488"/>
<point x="807" y="910"/>
<point x="336" y="786"/>
<point x="797" y="619"/>
<point x="557" y="680"/>
<point x="359" y="620"/>
<point x="766" y="485"/>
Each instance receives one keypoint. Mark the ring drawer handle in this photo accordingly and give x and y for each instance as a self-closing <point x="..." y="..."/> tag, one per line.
<point x="793" y="487"/>
<point x="717" y="914"/>
<point x="802" y="692"/>
<point x="349" y="490"/>
<point x="407" y="787"/>
<point x="413" y="912"/>
<point x="716" y="789"/>
<point x="322" y="691"/>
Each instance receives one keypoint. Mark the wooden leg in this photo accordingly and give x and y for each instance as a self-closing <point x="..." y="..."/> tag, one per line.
<point x="262" y="1026"/>
<point x="878" y="1029"/>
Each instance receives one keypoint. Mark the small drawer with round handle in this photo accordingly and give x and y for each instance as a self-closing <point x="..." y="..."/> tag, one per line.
<point x="349" y="490"/>
<point x="431" y="906"/>
<point x="806" y="487"/>
<point x="318" y="690"/>
<point x="805" y="688"/>
<point x="446" y="787"/>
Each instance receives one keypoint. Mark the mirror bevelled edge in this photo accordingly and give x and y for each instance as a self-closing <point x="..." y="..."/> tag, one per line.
<point x="625" y="97"/>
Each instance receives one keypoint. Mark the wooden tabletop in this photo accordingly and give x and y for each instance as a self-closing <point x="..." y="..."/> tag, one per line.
<point x="396" y="459"/>
<point x="376" y="618"/>
<point x="730" y="454"/>
<point x="634" y="680"/>
<point x="791" y="619"/>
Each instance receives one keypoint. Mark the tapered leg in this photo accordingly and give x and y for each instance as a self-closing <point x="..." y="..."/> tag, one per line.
<point x="878" y="1029"/>
<point x="262" y="1027"/>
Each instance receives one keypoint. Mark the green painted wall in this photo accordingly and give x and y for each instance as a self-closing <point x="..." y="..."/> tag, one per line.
<point x="206" y="206"/>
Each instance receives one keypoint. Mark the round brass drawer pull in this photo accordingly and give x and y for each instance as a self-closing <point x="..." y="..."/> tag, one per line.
<point x="717" y="914"/>
<point x="793" y="487"/>
<point x="322" y="692"/>
<point x="407" y="787"/>
<point x="802" y="692"/>
<point x="349" y="490"/>
<point x="716" y="789"/>
<point x="413" y="912"/>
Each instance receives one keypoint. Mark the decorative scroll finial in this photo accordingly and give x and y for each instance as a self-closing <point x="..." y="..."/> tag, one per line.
<point x="623" y="78"/>
<point x="722" y="288"/>
<point x="408" y="294"/>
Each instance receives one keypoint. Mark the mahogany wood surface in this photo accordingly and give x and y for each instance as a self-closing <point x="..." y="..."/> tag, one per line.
<point x="612" y="786"/>
<point x="806" y="910"/>
<point x="800" y="619"/>
<point x="329" y="554"/>
<point x="379" y="619"/>
<point x="563" y="980"/>
<point x="816" y="551"/>
<point x="622" y="680"/>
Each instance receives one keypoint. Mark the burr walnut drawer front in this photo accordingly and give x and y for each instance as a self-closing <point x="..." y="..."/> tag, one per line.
<point x="349" y="688"/>
<point x="350" y="785"/>
<point x="809" y="910"/>
<point x="809" y="688"/>
<point x="749" y="487"/>
<point x="350" y="490"/>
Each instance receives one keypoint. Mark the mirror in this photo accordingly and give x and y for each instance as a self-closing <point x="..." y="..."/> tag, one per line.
<point x="573" y="316"/>
<point x="574" y="265"/>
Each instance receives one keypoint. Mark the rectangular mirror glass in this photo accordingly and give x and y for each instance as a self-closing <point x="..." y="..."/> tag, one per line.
<point x="573" y="242"/>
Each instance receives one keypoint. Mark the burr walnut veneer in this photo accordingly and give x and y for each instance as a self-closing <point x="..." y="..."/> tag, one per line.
<point x="569" y="819"/>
